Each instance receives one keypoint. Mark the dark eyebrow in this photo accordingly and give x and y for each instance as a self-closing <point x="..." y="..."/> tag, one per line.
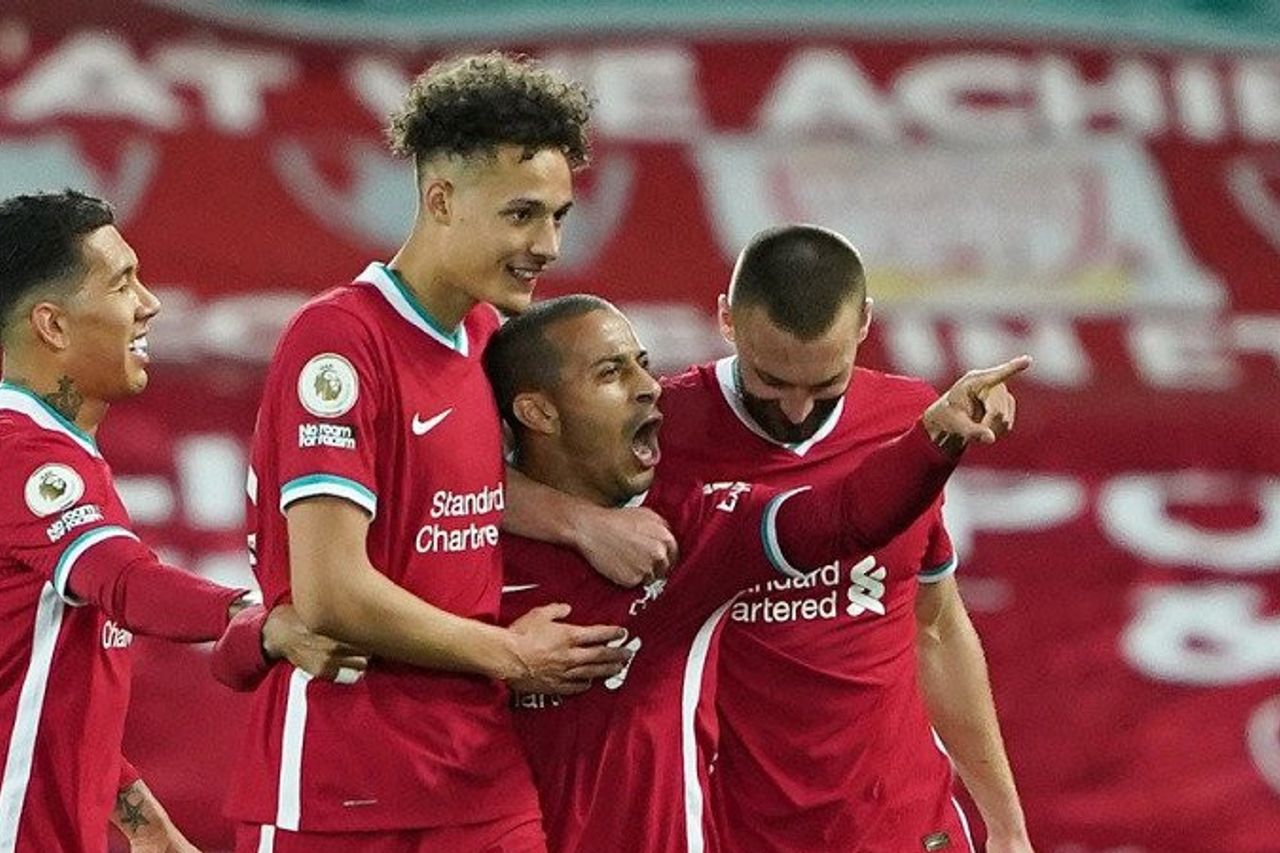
<point x="620" y="358"/>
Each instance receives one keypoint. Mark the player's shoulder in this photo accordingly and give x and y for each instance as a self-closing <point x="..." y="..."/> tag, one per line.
<point x="892" y="395"/>
<point x="693" y="380"/>
<point x="44" y="469"/>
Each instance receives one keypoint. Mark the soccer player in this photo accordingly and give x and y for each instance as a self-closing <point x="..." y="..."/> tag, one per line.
<point x="863" y="660"/>
<point x="377" y="489"/>
<point x="75" y="582"/>
<point x="617" y="767"/>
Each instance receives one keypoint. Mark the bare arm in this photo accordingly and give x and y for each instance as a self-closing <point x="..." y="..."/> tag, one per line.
<point x="957" y="694"/>
<point x="338" y="593"/>
<point x="626" y="546"/>
<point x="145" y="823"/>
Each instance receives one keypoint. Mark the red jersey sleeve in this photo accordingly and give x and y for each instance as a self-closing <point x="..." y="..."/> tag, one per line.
<point x="940" y="556"/>
<point x="128" y="774"/>
<point x="868" y="506"/>
<point x="70" y="526"/>
<point x="325" y="418"/>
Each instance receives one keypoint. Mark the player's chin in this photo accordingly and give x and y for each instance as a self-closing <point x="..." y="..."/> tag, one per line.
<point x="511" y="301"/>
<point x="640" y="481"/>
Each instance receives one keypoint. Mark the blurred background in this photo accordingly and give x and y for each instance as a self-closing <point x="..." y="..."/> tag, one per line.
<point x="1097" y="185"/>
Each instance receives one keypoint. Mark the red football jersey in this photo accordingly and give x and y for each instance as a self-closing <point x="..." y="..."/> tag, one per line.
<point x="856" y="766"/>
<point x="368" y="400"/>
<point x="64" y="666"/>
<point x="618" y="767"/>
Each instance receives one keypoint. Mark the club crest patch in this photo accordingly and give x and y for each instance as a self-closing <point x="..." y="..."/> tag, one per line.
<point x="328" y="386"/>
<point x="53" y="488"/>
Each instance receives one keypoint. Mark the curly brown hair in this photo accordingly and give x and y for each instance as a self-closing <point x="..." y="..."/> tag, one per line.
<point x="473" y="104"/>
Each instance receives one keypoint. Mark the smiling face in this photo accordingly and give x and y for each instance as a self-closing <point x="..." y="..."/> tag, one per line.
<point x="504" y="214"/>
<point x="789" y="385"/>
<point x="605" y="408"/>
<point x="105" y="321"/>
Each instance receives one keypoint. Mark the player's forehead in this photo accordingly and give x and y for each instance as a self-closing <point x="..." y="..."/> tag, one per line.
<point x="511" y="173"/>
<point x="771" y="351"/>
<point x="599" y="335"/>
<point x="106" y="255"/>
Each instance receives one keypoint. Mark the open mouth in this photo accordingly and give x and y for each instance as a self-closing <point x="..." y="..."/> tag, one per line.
<point x="138" y="347"/>
<point x="644" y="441"/>
<point x="527" y="276"/>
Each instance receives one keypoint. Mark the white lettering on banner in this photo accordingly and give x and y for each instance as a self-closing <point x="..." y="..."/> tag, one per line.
<point x="94" y="74"/>
<point x="651" y="92"/>
<point x="1190" y="353"/>
<point x="1009" y="502"/>
<point x="1174" y="354"/>
<point x="1263" y="739"/>
<point x="1205" y="634"/>
<point x="1257" y="90"/>
<point x="231" y="80"/>
<point x="939" y="95"/>
<point x="820" y="89"/>
<point x="1135" y="512"/>
<point x="640" y="91"/>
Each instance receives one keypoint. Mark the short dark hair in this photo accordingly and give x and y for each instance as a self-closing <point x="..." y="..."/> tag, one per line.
<point x="40" y="243"/>
<point x="519" y="358"/>
<point x="473" y="104"/>
<point x="801" y="274"/>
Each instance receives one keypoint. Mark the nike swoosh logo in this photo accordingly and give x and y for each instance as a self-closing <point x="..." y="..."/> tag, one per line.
<point x="421" y="427"/>
<point x="520" y="587"/>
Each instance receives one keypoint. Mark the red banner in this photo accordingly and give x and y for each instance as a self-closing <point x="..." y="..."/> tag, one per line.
<point x="1113" y="211"/>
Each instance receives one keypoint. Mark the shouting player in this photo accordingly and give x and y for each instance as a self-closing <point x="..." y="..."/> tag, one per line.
<point x="75" y="582"/>
<point x="377" y="490"/>
<point x="618" y="767"/>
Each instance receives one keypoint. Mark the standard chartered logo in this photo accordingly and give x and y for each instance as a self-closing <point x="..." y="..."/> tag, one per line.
<point x="866" y="587"/>
<point x="440" y="537"/>
<point x="821" y="595"/>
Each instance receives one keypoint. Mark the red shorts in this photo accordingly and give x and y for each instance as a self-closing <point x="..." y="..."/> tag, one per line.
<point x="519" y="834"/>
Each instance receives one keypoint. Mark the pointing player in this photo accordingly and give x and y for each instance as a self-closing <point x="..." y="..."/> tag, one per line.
<point x="377" y="491"/>
<point x="75" y="582"/>
<point x="881" y="649"/>
<point x="617" y="767"/>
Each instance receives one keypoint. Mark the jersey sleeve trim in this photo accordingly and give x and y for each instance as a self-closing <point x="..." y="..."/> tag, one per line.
<point x="76" y="550"/>
<point x="769" y="533"/>
<point x="941" y="572"/>
<point x="314" y="485"/>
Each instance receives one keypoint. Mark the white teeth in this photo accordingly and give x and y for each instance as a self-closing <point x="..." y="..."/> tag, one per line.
<point x="139" y="346"/>
<point x="524" y="275"/>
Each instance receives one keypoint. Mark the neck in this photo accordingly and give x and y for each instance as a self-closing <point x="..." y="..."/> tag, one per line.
<point x="560" y="472"/>
<point x="59" y="391"/>
<point x="417" y="264"/>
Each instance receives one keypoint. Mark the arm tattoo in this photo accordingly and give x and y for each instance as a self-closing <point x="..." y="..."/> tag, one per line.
<point x="66" y="400"/>
<point x="129" y="813"/>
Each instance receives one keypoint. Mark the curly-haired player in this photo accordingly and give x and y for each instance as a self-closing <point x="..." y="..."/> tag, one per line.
<point x="377" y="490"/>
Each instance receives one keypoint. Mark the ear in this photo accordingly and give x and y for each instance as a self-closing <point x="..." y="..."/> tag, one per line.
<point x="536" y="413"/>
<point x="49" y="323"/>
<point x="724" y="318"/>
<point x="437" y="200"/>
<point x="865" y="326"/>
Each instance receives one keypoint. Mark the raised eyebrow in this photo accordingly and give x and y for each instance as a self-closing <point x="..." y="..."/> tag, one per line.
<point x="563" y="210"/>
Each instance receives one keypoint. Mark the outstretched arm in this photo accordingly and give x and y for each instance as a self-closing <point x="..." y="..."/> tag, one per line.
<point x="957" y="694"/>
<point x="892" y="486"/>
